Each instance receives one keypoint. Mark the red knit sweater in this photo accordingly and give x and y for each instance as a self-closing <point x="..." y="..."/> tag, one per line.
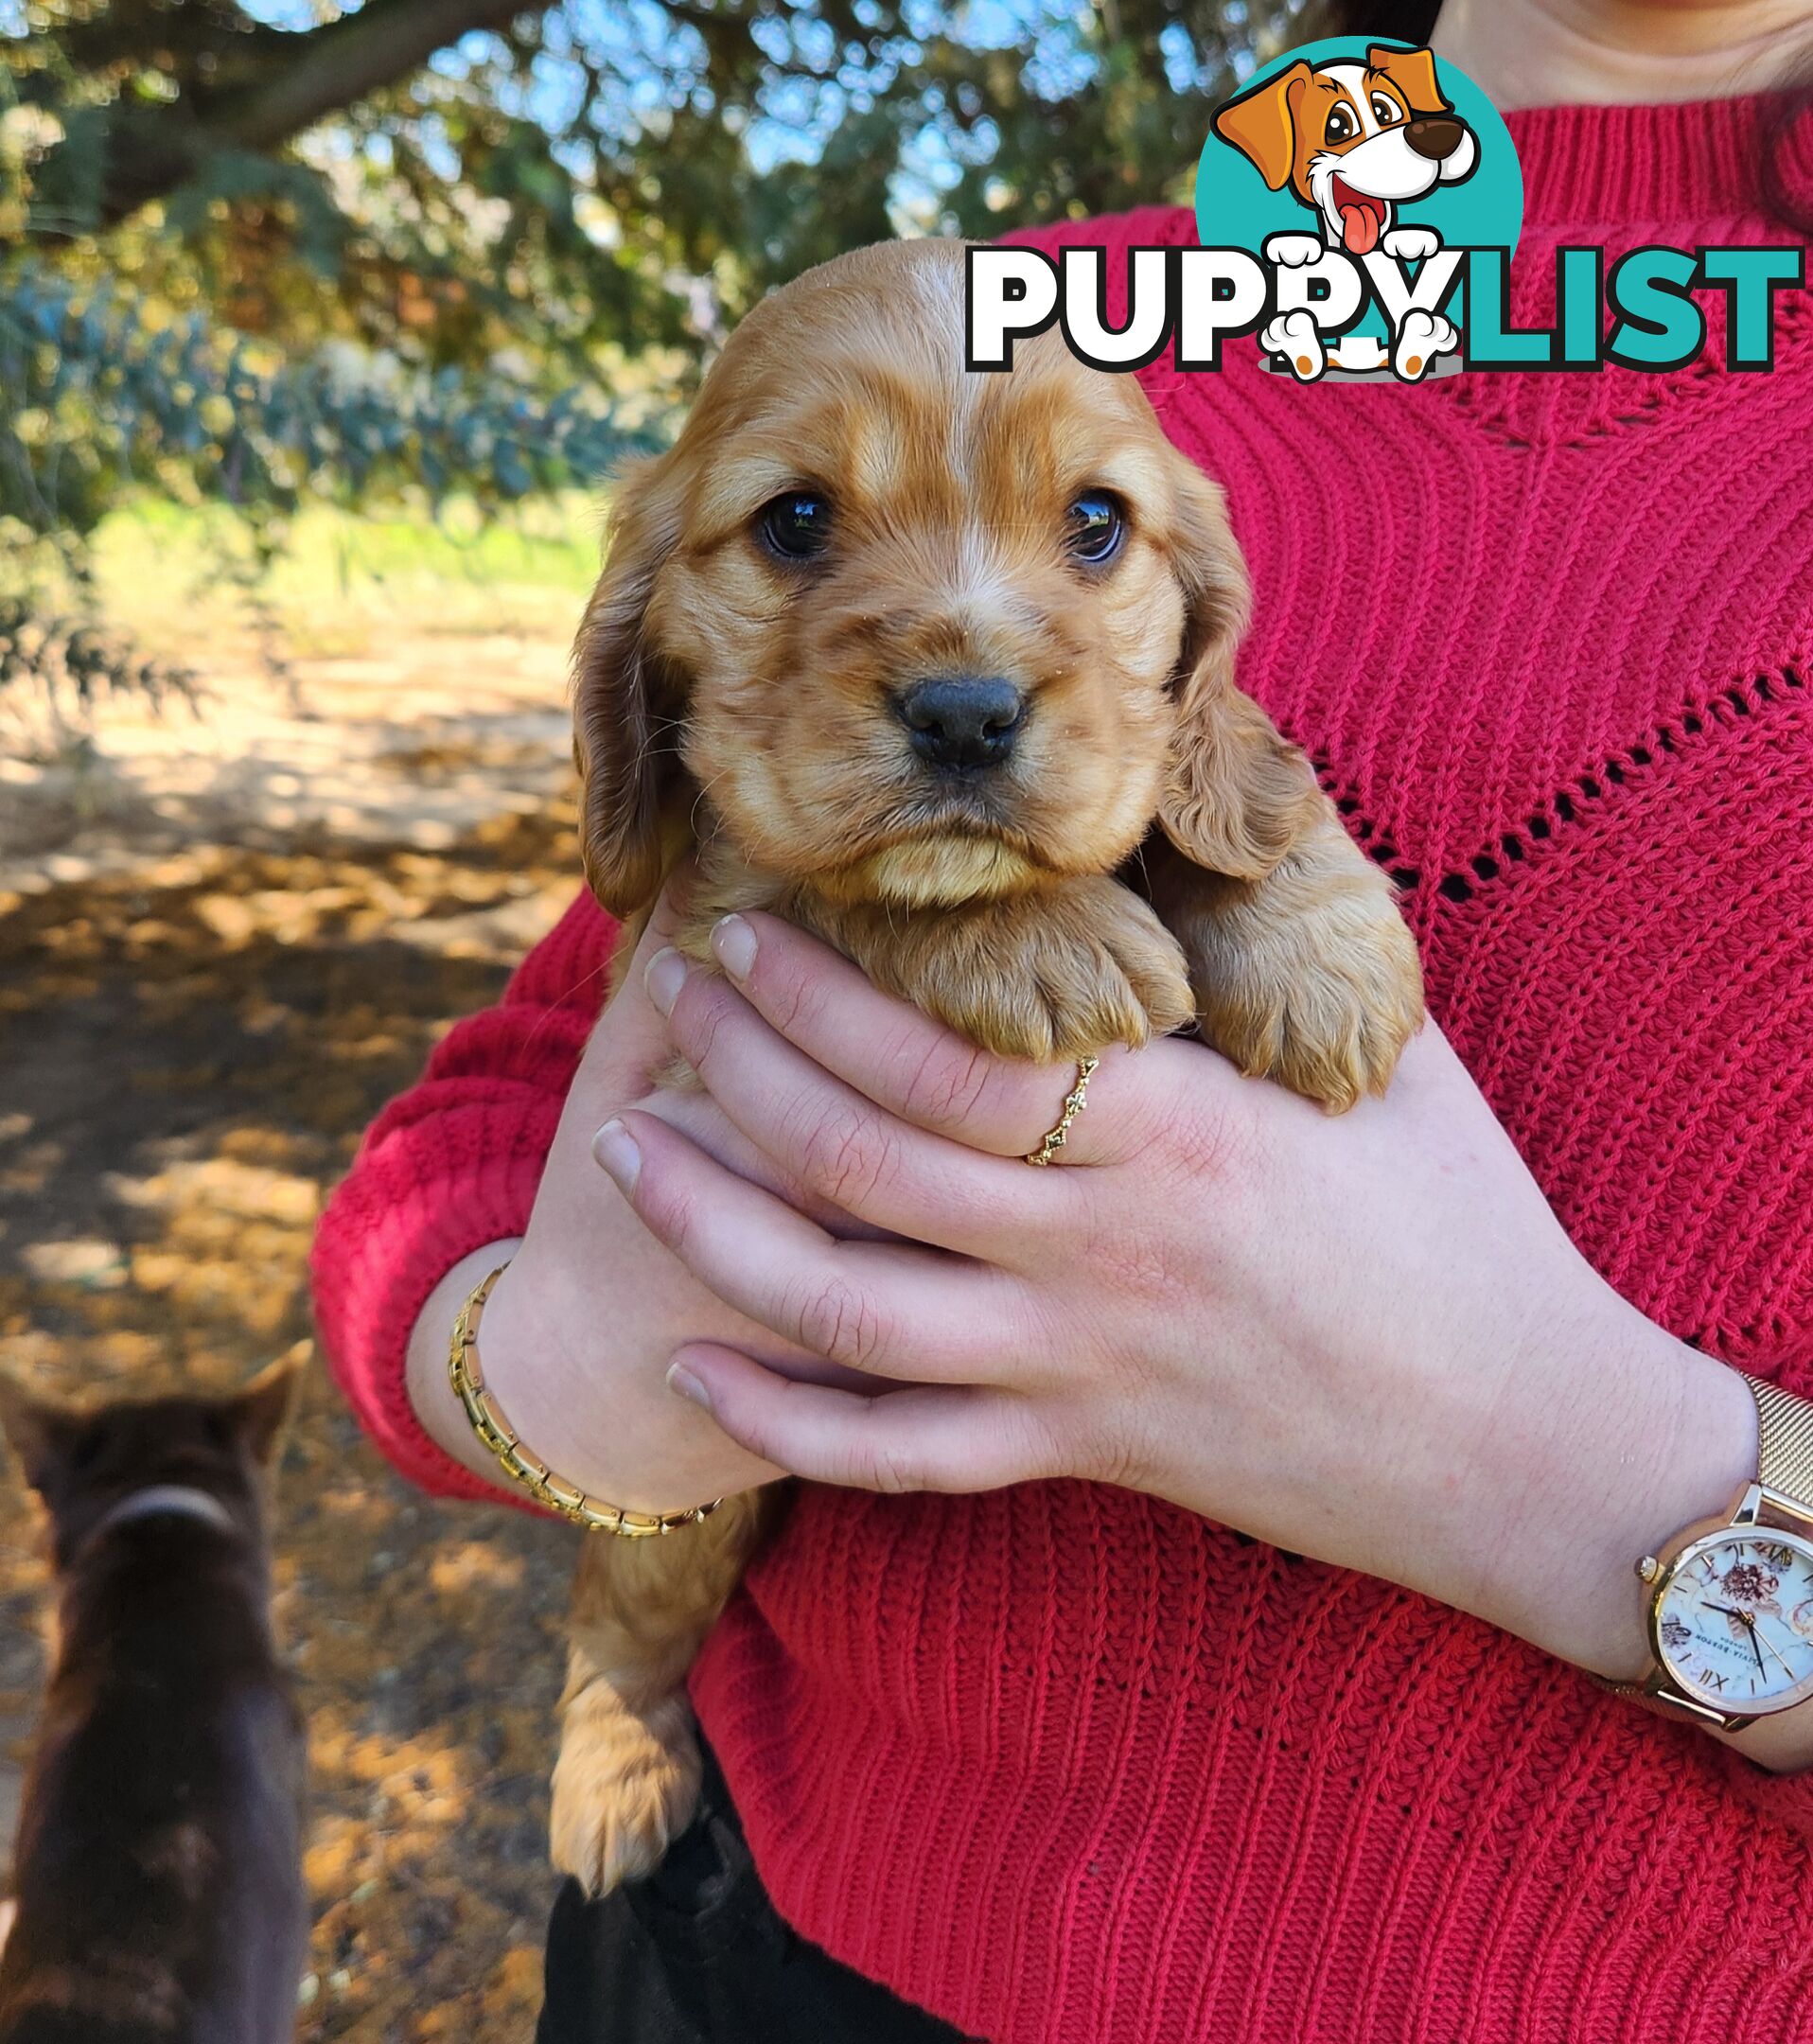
<point x="1064" y="1764"/>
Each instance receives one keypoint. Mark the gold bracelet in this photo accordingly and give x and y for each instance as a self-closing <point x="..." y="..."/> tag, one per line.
<point x="534" y="1475"/>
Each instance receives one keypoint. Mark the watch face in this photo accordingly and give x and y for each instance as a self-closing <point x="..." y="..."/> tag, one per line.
<point x="1734" y="1625"/>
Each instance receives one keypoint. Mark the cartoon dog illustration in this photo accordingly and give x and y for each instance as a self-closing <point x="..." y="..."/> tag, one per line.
<point x="1354" y="141"/>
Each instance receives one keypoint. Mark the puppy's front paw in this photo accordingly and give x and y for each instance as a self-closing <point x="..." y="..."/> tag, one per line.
<point x="1102" y="969"/>
<point x="1308" y="976"/>
<point x="625" y="1786"/>
<point x="1050" y="977"/>
<point x="1327" y="1009"/>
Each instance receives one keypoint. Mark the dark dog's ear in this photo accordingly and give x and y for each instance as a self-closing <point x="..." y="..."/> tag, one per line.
<point x="1238" y="795"/>
<point x="625" y="706"/>
<point x="263" y="1409"/>
<point x="43" y="1432"/>
<point x="1261" y="124"/>
<point x="1413" y="74"/>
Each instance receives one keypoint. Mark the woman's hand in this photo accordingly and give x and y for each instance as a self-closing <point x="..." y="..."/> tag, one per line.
<point x="1365" y="1339"/>
<point x="577" y="1334"/>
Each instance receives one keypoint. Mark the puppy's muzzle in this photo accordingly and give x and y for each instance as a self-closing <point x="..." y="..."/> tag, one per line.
<point x="1434" y="136"/>
<point x="962" y="722"/>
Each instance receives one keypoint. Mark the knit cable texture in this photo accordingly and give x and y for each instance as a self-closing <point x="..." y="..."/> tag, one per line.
<point x="1066" y="1765"/>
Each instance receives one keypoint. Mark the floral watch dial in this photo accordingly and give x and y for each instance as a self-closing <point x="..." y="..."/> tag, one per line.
<point x="1736" y="1621"/>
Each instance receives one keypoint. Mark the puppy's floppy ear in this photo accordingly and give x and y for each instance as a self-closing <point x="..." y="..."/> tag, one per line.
<point x="625" y="703"/>
<point x="1238" y="795"/>
<point x="1262" y="124"/>
<point x="1413" y="74"/>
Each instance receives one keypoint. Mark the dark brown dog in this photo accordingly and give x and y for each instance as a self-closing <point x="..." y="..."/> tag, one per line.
<point x="939" y="665"/>
<point x="158" y="1865"/>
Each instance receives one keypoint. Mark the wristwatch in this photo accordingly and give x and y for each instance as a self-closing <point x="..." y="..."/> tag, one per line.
<point x="1731" y="1600"/>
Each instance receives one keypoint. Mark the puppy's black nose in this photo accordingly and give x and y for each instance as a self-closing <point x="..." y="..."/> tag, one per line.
<point x="962" y="720"/>
<point x="1435" y="136"/>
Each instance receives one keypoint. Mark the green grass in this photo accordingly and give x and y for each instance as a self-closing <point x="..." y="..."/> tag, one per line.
<point x="342" y="579"/>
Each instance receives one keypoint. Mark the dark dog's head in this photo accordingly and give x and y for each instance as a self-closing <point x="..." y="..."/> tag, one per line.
<point x="911" y="633"/>
<point x="84" y="1461"/>
<point x="1353" y="141"/>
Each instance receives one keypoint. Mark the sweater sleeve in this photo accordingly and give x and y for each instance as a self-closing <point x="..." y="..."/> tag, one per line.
<point x="452" y="1165"/>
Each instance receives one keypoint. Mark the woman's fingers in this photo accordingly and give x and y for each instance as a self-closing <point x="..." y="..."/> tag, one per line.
<point x="887" y="1309"/>
<point x="839" y="1145"/>
<point x="920" y="1438"/>
<point x="917" y="1068"/>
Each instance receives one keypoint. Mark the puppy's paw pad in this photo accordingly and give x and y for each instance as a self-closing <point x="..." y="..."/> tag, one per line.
<point x="623" y="1791"/>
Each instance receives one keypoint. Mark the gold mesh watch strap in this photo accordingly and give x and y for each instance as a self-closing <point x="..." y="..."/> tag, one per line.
<point x="1784" y="1444"/>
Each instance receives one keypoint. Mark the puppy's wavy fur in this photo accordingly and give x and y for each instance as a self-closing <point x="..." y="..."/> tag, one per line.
<point x="1154" y="854"/>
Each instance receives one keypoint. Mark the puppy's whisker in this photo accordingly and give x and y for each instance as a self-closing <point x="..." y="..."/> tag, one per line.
<point x="698" y="800"/>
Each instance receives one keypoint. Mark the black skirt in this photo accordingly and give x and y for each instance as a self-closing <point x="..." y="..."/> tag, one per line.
<point x="696" y="1954"/>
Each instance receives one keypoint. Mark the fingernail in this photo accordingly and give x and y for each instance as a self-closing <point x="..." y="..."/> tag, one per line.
<point x="681" y="1380"/>
<point x="733" y="942"/>
<point x="614" y="1149"/>
<point x="664" y="979"/>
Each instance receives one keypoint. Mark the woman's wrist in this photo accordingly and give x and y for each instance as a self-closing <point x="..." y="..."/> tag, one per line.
<point x="525" y="1367"/>
<point x="1630" y="1437"/>
<point x="577" y="1384"/>
<point x="431" y="1394"/>
<point x="1671" y="1442"/>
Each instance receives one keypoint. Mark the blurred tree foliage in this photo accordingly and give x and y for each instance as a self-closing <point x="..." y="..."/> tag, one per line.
<point x="262" y="249"/>
<point x="445" y="177"/>
<point x="106" y="387"/>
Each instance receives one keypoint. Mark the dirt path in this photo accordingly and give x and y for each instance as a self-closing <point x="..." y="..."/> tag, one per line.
<point x="218" y="960"/>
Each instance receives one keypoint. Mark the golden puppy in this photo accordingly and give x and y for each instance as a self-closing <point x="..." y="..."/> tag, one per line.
<point x="939" y="664"/>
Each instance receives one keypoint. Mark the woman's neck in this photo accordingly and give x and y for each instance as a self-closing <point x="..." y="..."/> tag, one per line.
<point x="1623" y="52"/>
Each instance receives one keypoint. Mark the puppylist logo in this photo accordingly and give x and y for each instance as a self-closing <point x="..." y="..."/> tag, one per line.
<point x="1358" y="204"/>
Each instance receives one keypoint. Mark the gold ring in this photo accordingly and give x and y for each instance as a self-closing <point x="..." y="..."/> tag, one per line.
<point x="1074" y="1102"/>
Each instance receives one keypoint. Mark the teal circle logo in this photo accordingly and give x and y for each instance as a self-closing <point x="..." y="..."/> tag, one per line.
<point x="1350" y="166"/>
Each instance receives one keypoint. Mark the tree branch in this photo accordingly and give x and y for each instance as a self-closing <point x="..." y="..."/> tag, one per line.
<point x="349" y="60"/>
<point x="299" y="79"/>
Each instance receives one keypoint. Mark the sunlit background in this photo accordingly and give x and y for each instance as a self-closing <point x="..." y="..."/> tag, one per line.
<point x="320" y="334"/>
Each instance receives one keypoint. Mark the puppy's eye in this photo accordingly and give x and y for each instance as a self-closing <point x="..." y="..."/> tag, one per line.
<point x="796" y="525"/>
<point x="1386" y="112"/>
<point x="1094" y="528"/>
<point x="1340" y="126"/>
